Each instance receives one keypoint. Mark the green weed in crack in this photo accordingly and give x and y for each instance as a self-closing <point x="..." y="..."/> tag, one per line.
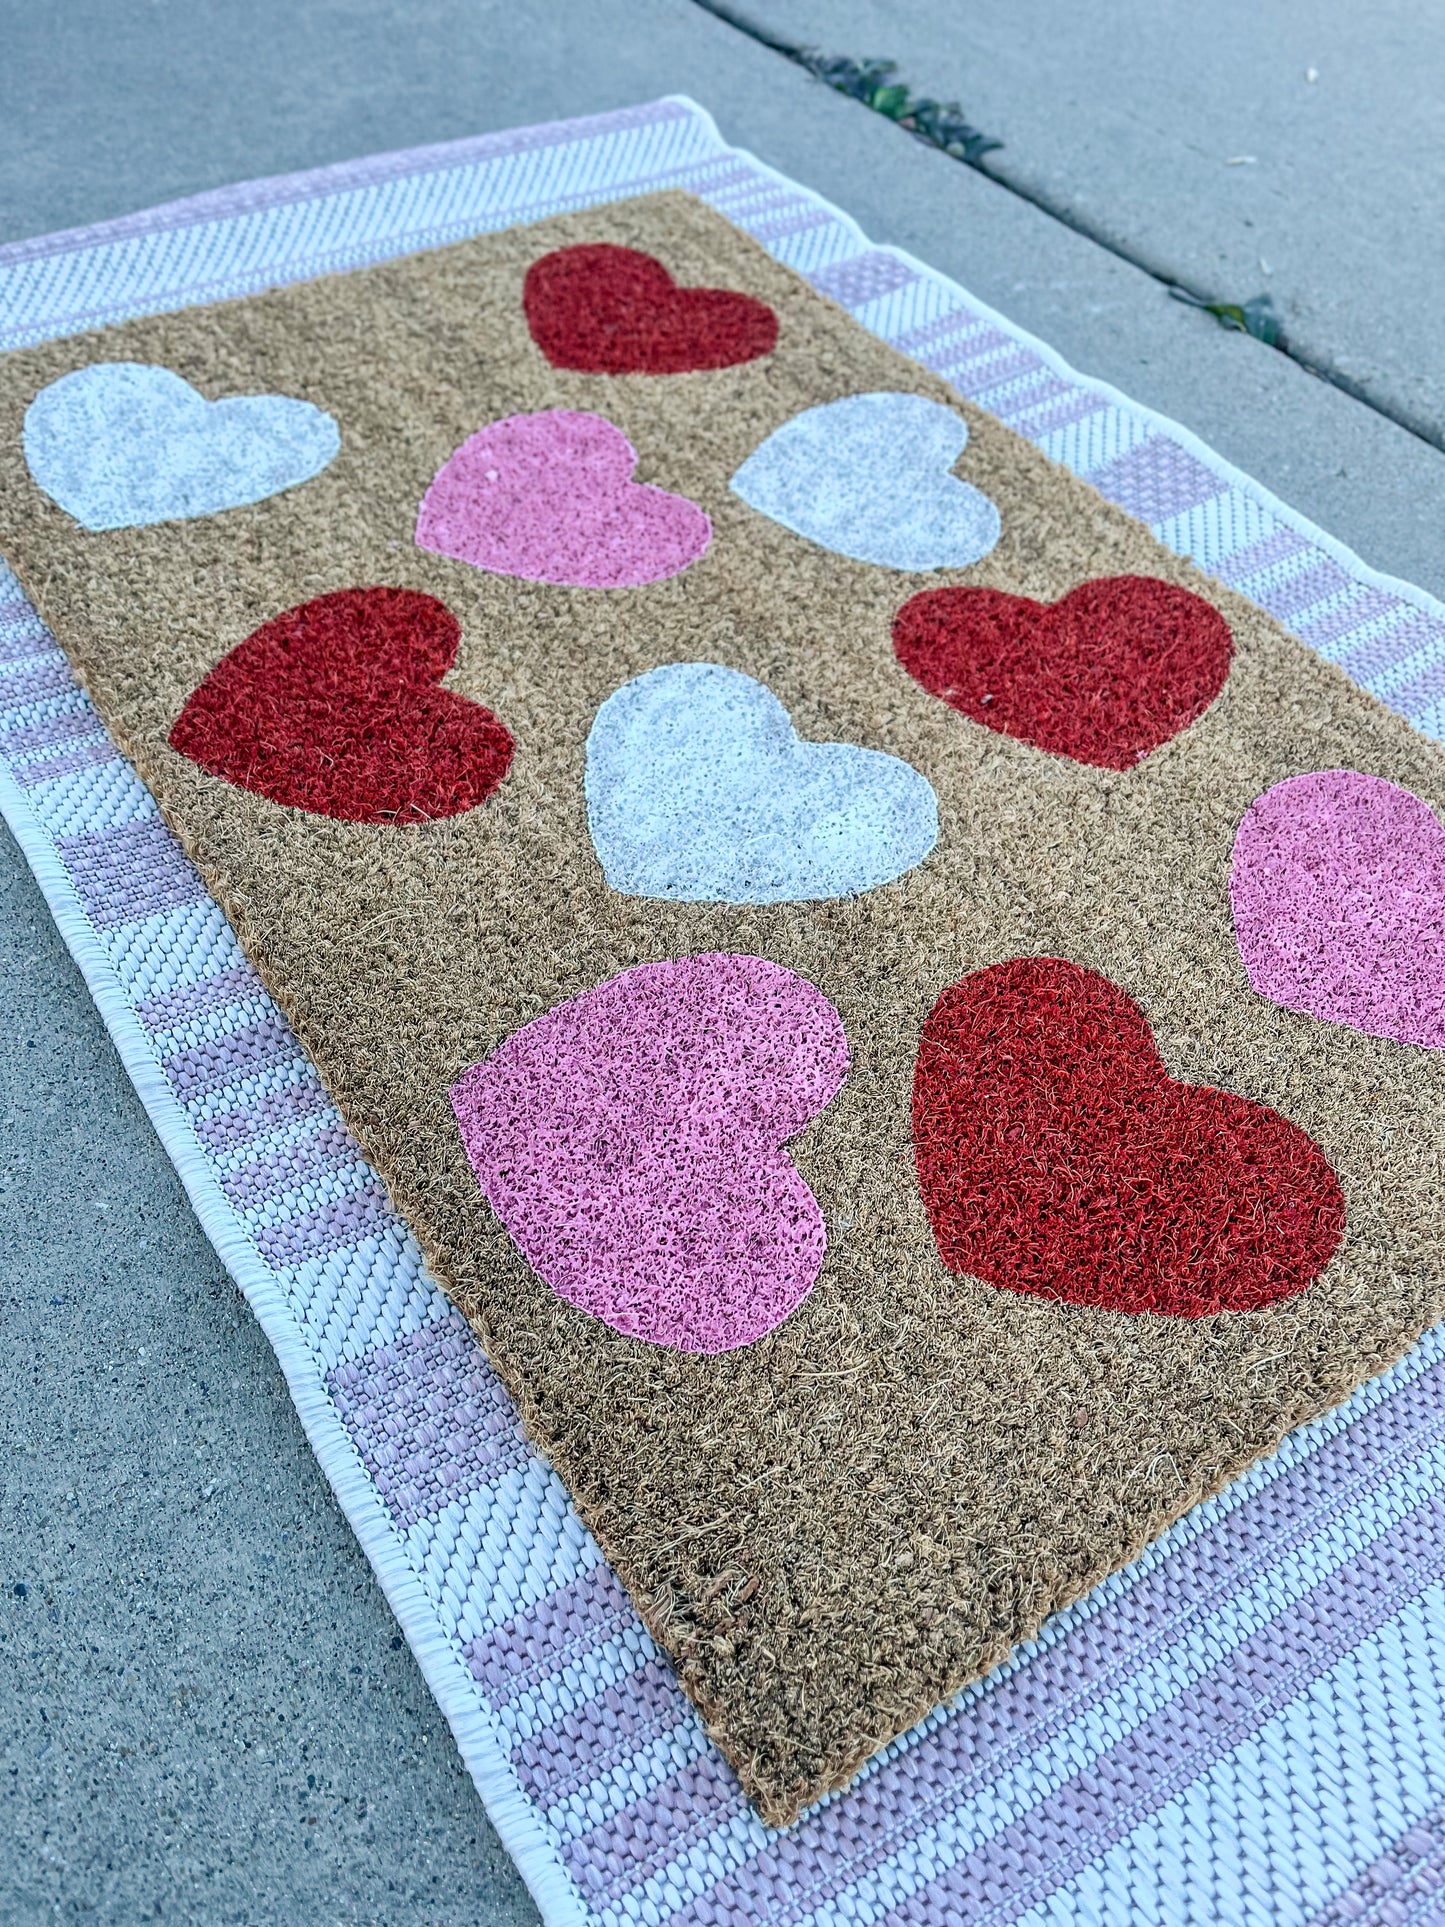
<point x="1258" y="317"/>
<point x="875" y="85"/>
<point x="939" y="123"/>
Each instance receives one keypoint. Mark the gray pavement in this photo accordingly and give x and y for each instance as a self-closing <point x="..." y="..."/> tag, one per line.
<point x="203" y="1714"/>
<point x="1195" y="137"/>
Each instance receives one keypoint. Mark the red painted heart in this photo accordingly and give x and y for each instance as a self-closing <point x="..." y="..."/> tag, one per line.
<point x="1056" y="1156"/>
<point x="607" y="310"/>
<point x="1109" y="672"/>
<point x="334" y="707"/>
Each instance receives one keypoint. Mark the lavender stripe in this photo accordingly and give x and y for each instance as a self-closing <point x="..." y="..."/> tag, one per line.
<point x="720" y="172"/>
<point x="55" y="729"/>
<point x="1420" y="690"/>
<point x="1315" y="584"/>
<point x="231" y="1129"/>
<point x="763" y="201"/>
<point x="953" y="337"/>
<point x="30" y="685"/>
<point x="864" y="277"/>
<point x="213" y="1064"/>
<point x="48" y="768"/>
<point x="429" y="1418"/>
<point x="275" y="1174"/>
<point x="1043" y="391"/>
<point x="982" y="346"/>
<point x="988" y="1734"/>
<point x="1076" y="406"/>
<point x="1365" y="605"/>
<point x="33" y="642"/>
<point x="598" y="1734"/>
<point x="782" y="226"/>
<point x="1410" y="1871"/>
<point x="346" y="1221"/>
<point x="980" y="375"/>
<point x="1017" y="408"/>
<point x="170" y="1007"/>
<point x="1032" y="1859"/>
<point x="1381" y="652"/>
<point x="561" y="1628"/>
<point x="1266" y="553"/>
<point x="276" y="190"/>
<point x="121" y="875"/>
<point x="658" y="1828"/>
<point x="1156" y="479"/>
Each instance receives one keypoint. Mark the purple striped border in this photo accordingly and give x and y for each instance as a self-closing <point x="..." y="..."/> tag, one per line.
<point x="998" y="1727"/>
<point x="1403" y="1887"/>
<point x="1020" y="1867"/>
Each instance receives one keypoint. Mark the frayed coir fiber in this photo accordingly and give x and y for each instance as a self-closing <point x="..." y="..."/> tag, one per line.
<point x="830" y="1529"/>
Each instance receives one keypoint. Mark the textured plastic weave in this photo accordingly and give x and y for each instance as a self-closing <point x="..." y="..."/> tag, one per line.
<point x="1246" y="1727"/>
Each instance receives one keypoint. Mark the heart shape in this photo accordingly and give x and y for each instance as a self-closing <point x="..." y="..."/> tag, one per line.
<point x="608" y="310"/>
<point x="1338" y="888"/>
<point x="1104" y="675"/>
<point x="699" y="790"/>
<point x="334" y="707"/>
<point x="631" y="1142"/>
<point x="1056" y="1156"/>
<point x="122" y="444"/>
<point x="870" y="477"/>
<point x="550" y="497"/>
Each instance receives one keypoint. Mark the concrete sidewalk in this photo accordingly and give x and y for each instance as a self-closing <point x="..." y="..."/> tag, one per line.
<point x="1296" y="149"/>
<point x="205" y="1709"/>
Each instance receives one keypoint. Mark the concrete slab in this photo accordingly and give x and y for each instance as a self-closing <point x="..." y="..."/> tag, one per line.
<point x="1194" y="136"/>
<point x="136" y="1707"/>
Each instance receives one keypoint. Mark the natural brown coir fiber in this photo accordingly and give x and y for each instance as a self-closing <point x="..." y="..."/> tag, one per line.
<point x="835" y="1527"/>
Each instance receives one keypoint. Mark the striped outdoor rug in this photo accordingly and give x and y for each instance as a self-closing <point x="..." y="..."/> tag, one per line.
<point x="1247" y="1726"/>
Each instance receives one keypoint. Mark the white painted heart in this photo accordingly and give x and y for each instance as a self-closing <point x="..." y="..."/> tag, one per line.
<point x="700" y="790"/>
<point x="870" y="477"/>
<point x="123" y="444"/>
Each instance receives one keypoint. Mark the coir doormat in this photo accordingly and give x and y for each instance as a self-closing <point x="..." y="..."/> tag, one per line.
<point x="1073" y="1003"/>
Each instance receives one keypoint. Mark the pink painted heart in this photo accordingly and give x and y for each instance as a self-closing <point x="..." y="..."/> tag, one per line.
<point x="1338" y="889"/>
<point x="631" y="1141"/>
<point x="551" y="498"/>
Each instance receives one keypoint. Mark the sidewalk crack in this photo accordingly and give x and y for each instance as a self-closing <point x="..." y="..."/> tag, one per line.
<point x="873" y="84"/>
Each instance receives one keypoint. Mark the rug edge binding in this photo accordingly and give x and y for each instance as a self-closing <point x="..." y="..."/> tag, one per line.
<point x="482" y="1751"/>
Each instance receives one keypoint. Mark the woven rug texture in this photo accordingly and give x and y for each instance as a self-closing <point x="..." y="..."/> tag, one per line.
<point x="1243" y="1725"/>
